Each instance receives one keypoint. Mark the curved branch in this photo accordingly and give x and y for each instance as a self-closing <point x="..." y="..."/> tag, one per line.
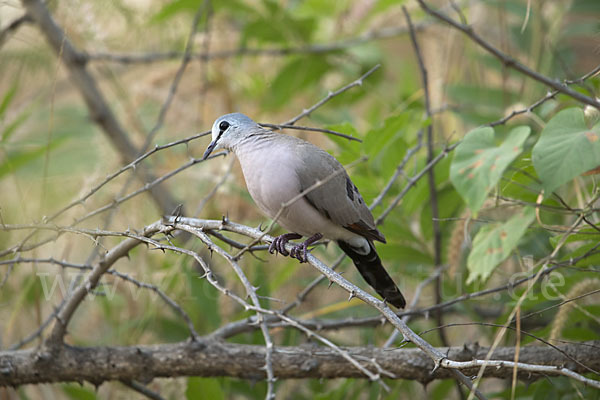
<point x="90" y="282"/>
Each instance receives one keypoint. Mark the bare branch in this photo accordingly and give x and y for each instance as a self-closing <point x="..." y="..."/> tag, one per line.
<point x="208" y="357"/>
<point x="13" y="26"/>
<point x="331" y="95"/>
<point x="250" y="292"/>
<point x="143" y="390"/>
<point x="548" y="96"/>
<point x="413" y="180"/>
<point x="522" y="367"/>
<point x="320" y="48"/>
<point x="509" y="61"/>
<point x="185" y="60"/>
<point x="76" y="296"/>
<point x="114" y="203"/>
<point x="306" y="128"/>
<point x="333" y="276"/>
<point x="100" y="112"/>
<point x="433" y="199"/>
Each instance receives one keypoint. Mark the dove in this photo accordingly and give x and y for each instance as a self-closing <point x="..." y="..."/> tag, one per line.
<point x="309" y="193"/>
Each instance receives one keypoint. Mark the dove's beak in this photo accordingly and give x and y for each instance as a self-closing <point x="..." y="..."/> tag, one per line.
<point x="209" y="149"/>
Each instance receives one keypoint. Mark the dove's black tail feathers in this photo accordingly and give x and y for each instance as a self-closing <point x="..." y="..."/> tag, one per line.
<point x="369" y="266"/>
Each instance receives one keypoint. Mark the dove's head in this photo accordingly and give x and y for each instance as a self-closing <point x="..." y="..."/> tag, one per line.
<point x="230" y="129"/>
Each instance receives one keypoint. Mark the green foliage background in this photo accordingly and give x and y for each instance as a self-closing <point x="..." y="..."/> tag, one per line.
<point x="519" y="185"/>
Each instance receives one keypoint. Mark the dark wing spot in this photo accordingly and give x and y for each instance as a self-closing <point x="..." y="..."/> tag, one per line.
<point x="350" y="189"/>
<point x="360" y="199"/>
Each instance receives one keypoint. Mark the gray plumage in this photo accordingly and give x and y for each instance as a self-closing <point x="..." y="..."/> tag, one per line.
<point x="277" y="168"/>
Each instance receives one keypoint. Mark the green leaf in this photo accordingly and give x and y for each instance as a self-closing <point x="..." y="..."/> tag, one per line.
<point x="386" y="146"/>
<point x="585" y="6"/>
<point x="592" y="257"/>
<point x="204" y="388"/>
<point x="204" y="302"/>
<point x="482" y="97"/>
<point x="521" y="181"/>
<point x="516" y="8"/>
<point x="494" y="243"/>
<point x="344" y="144"/>
<point x="408" y="254"/>
<point x="20" y="158"/>
<point x="7" y="99"/>
<point x="299" y="74"/>
<point x="449" y="203"/>
<point x="379" y="138"/>
<point x="276" y="24"/>
<point x="320" y="8"/>
<point x="584" y="234"/>
<point x="12" y="126"/>
<point x="566" y="149"/>
<point x="384" y="5"/>
<point x="79" y="392"/>
<point x="175" y="7"/>
<point x="478" y="163"/>
<point x="348" y="150"/>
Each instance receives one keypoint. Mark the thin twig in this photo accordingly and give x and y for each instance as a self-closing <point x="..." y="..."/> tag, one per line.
<point x="250" y="292"/>
<point x="433" y="202"/>
<point x="114" y="203"/>
<point x="352" y="289"/>
<point x="543" y="262"/>
<point x="521" y="332"/>
<point x="318" y="48"/>
<point x="143" y="390"/>
<point x="310" y="129"/>
<point x="78" y="294"/>
<point x="536" y="368"/>
<point x="86" y="267"/>
<point x="98" y="107"/>
<point x="331" y="95"/>
<point x="413" y="180"/>
<point x="509" y="61"/>
<point x="202" y="10"/>
<point x="416" y="296"/>
<point x="13" y="26"/>
<point x="548" y="96"/>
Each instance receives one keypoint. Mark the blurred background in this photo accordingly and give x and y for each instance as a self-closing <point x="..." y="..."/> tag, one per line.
<point x="270" y="60"/>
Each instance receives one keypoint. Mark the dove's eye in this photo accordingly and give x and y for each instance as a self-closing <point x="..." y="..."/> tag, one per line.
<point x="223" y="126"/>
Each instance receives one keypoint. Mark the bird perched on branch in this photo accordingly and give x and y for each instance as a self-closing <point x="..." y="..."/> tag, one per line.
<point x="308" y="192"/>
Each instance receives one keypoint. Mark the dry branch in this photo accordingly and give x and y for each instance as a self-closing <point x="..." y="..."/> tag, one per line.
<point x="209" y="357"/>
<point x="76" y="63"/>
<point x="508" y="61"/>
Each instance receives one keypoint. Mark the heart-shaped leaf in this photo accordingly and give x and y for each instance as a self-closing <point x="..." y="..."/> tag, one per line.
<point x="478" y="163"/>
<point x="566" y="149"/>
<point x="494" y="243"/>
